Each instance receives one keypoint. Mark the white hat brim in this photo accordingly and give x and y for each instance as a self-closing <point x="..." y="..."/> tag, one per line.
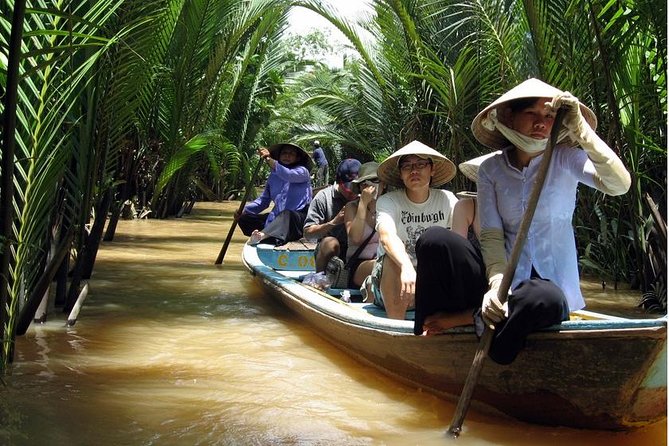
<point x="531" y="88"/>
<point x="443" y="169"/>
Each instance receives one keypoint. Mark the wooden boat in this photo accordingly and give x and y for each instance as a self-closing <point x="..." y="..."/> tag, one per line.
<point x="593" y="371"/>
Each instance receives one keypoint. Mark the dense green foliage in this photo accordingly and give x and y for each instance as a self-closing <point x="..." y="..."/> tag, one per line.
<point x="162" y="102"/>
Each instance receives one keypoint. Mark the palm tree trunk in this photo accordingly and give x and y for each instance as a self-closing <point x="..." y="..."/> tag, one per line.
<point x="129" y="174"/>
<point x="83" y="267"/>
<point x="113" y="219"/>
<point x="28" y="310"/>
<point x="61" y="282"/>
<point x="95" y="237"/>
<point x="7" y="192"/>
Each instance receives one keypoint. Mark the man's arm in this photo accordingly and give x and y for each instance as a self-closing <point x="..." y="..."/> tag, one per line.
<point x="315" y="231"/>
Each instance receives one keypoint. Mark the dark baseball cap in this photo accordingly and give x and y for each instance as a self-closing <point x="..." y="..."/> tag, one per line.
<point x="347" y="171"/>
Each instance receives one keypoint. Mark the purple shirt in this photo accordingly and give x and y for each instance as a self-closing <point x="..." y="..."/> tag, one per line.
<point x="288" y="188"/>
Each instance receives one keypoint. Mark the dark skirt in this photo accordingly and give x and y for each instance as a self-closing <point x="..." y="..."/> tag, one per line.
<point x="450" y="275"/>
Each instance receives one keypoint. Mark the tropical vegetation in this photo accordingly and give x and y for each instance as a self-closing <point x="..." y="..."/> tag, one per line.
<point x="161" y="103"/>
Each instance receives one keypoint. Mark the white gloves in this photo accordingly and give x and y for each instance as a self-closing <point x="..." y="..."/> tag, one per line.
<point x="493" y="310"/>
<point x="612" y="178"/>
<point x="573" y="119"/>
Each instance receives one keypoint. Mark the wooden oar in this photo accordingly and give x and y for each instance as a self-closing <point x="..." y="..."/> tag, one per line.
<point x="251" y="184"/>
<point x="488" y="333"/>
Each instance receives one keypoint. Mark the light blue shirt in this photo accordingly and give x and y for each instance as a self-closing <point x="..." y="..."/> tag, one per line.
<point x="503" y="195"/>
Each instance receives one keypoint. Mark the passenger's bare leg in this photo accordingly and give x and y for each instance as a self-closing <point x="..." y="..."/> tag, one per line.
<point x="327" y="248"/>
<point x="390" y="288"/>
<point x="440" y="322"/>
<point x="364" y="269"/>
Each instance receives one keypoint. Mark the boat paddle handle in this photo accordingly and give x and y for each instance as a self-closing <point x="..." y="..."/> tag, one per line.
<point x="488" y="333"/>
<point x="251" y="184"/>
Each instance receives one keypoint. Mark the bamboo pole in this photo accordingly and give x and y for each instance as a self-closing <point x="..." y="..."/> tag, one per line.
<point x="488" y="334"/>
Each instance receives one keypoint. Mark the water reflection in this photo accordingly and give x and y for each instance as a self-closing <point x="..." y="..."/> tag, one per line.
<point x="172" y="350"/>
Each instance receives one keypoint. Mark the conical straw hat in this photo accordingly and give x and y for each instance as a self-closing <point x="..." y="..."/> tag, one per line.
<point x="485" y="132"/>
<point x="302" y="155"/>
<point x="443" y="168"/>
<point x="470" y="168"/>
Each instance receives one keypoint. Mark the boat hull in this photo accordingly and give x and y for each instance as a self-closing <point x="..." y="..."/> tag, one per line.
<point x="602" y="374"/>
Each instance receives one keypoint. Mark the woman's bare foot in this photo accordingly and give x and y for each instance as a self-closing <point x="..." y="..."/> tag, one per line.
<point x="439" y="322"/>
<point x="256" y="237"/>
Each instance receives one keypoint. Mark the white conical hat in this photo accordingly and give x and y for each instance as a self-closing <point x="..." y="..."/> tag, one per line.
<point x="443" y="168"/>
<point x="470" y="168"/>
<point x="485" y="132"/>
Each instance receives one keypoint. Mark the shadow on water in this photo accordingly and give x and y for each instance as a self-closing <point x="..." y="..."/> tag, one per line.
<point x="170" y="349"/>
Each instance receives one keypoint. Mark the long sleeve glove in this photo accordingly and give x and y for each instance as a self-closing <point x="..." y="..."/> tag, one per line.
<point x="494" y="256"/>
<point x="493" y="251"/>
<point x="611" y="178"/>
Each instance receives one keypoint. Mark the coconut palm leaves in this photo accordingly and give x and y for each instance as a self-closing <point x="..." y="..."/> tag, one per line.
<point x="106" y="87"/>
<point x="62" y="47"/>
<point x="220" y="55"/>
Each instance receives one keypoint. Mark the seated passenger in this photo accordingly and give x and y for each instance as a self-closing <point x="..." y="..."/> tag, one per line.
<point x="289" y="187"/>
<point x="461" y="280"/>
<point x="465" y="218"/>
<point x="325" y="217"/>
<point x="402" y="215"/>
<point x="360" y="222"/>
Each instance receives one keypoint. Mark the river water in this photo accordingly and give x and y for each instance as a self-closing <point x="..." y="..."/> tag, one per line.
<point x="170" y="349"/>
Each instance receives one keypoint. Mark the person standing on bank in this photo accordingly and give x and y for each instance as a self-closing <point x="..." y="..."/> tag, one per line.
<point x="322" y="172"/>
<point x="402" y="215"/>
<point x="289" y="187"/>
<point x="325" y="217"/>
<point x="545" y="286"/>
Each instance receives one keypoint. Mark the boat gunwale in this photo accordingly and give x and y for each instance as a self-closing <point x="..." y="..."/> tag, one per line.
<point x="358" y="316"/>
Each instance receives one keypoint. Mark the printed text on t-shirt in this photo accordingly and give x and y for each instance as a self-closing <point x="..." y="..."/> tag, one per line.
<point x="410" y="217"/>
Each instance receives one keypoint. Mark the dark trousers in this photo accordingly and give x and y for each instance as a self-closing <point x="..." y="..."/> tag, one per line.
<point x="535" y="303"/>
<point x="250" y="222"/>
<point x="450" y="275"/>
<point x="286" y="227"/>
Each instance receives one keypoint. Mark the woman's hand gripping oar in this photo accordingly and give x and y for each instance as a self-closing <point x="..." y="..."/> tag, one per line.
<point x="486" y="339"/>
<point x="249" y="186"/>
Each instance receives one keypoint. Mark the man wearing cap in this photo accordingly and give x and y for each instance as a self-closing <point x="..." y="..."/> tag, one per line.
<point x="289" y="187"/>
<point x="325" y="217"/>
<point x="322" y="173"/>
<point x="402" y="217"/>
